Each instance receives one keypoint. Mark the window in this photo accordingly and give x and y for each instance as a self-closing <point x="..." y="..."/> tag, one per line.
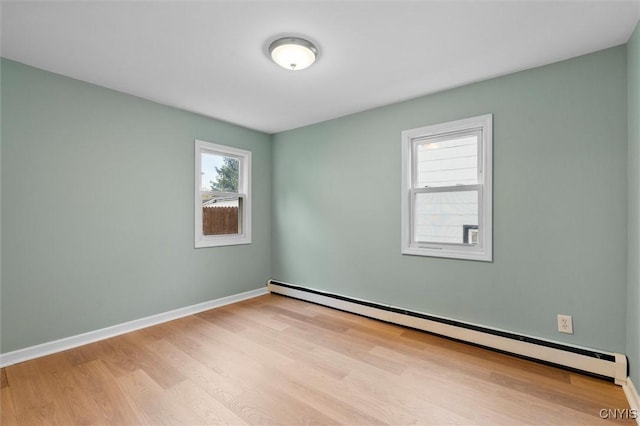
<point x="446" y="189"/>
<point x="222" y="196"/>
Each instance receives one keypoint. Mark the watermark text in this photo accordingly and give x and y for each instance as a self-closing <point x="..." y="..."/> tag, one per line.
<point x="619" y="413"/>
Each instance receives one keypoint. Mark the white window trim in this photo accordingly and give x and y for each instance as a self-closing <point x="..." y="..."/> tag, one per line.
<point x="484" y="250"/>
<point x="244" y="189"/>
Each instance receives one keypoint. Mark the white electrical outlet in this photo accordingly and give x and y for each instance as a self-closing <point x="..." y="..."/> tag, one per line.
<point x="565" y="324"/>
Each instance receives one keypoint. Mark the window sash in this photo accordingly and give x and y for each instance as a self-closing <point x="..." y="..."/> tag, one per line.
<point x="458" y="188"/>
<point x="443" y="137"/>
<point x="240" y="159"/>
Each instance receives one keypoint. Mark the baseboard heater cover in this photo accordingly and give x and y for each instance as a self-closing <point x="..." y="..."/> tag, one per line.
<point x="604" y="365"/>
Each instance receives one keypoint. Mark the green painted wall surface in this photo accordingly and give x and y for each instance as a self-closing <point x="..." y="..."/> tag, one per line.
<point x="633" y="297"/>
<point x="560" y="190"/>
<point x="97" y="209"/>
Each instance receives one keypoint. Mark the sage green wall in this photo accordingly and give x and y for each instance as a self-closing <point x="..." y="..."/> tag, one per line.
<point x="97" y="209"/>
<point x="633" y="298"/>
<point x="560" y="190"/>
<point x="97" y="206"/>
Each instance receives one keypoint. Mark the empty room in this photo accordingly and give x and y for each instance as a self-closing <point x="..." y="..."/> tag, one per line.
<point x="320" y="212"/>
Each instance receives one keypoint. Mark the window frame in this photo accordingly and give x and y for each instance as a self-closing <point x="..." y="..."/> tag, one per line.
<point x="483" y="251"/>
<point x="244" y="192"/>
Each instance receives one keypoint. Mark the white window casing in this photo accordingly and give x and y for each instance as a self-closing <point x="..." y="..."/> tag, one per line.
<point x="447" y="189"/>
<point x="243" y="196"/>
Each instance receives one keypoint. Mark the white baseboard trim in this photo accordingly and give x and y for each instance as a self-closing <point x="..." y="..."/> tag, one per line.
<point x="60" y="345"/>
<point x="631" y="393"/>
<point x="607" y="365"/>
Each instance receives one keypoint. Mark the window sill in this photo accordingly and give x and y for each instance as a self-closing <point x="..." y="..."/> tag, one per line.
<point x="221" y="241"/>
<point x="476" y="255"/>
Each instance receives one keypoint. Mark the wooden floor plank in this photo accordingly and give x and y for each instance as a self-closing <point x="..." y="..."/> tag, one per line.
<point x="96" y="380"/>
<point x="81" y="407"/>
<point x="306" y="354"/>
<point x="197" y="366"/>
<point x="190" y="394"/>
<point x="137" y="386"/>
<point x="277" y="360"/>
<point x="4" y="382"/>
<point x="7" y="412"/>
<point x="35" y="397"/>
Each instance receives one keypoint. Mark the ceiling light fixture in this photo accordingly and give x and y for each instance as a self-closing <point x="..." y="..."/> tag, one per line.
<point x="293" y="53"/>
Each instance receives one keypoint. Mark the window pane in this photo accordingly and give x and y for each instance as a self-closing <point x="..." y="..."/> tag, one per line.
<point x="448" y="162"/>
<point x="446" y="217"/>
<point x="221" y="213"/>
<point x="222" y="216"/>
<point x="219" y="173"/>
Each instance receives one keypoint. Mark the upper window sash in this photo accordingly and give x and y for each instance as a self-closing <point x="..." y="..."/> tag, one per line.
<point x="434" y="140"/>
<point x="209" y="148"/>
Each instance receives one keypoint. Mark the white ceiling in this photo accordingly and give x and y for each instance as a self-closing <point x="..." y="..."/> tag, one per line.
<point x="210" y="57"/>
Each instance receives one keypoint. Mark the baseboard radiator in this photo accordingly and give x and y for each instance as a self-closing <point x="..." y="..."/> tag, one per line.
<point x="604" y="365"/>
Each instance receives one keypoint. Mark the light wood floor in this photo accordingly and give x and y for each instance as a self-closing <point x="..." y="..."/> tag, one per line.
<point x="275" y="360"/>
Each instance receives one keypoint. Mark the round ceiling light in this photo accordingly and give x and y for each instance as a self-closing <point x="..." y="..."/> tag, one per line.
<point x="293" y="53"/>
